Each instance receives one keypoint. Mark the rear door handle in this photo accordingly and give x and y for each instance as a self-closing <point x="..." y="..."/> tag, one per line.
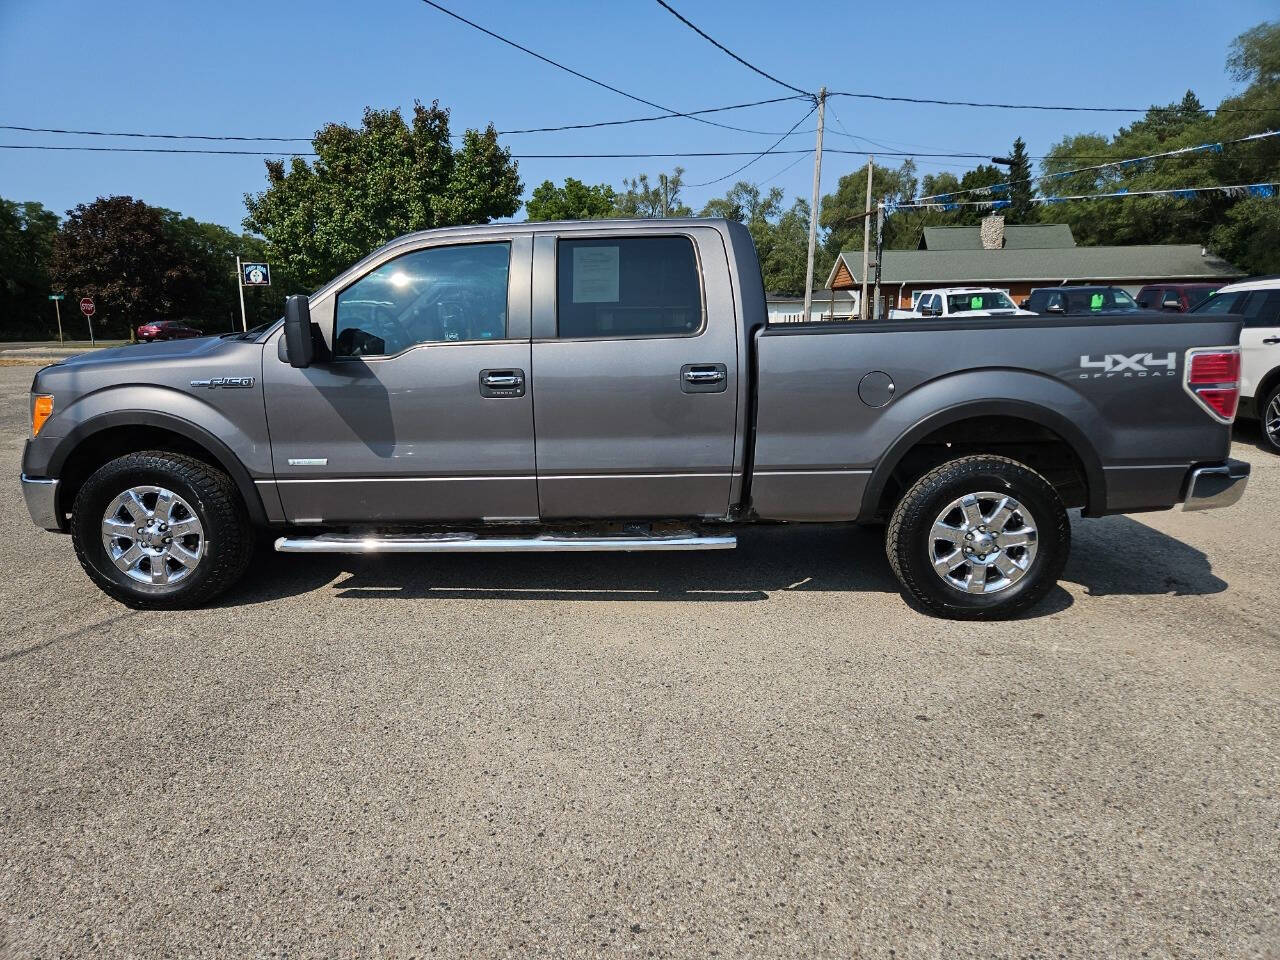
<point x="501" y="384"/>
<point x="1272" y="340"/>
<point x="704" y="377"/>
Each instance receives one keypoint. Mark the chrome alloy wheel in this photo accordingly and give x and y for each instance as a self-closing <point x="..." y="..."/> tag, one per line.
<point x="982" y="542"/>
<point x="153" y="535"/>
<point x="1271" y="420"/>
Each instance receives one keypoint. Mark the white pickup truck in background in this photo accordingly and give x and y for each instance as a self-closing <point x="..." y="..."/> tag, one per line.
<point x="961" y="302"/>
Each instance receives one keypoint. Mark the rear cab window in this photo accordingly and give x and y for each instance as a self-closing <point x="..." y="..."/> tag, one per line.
<point x="628" y="287"/>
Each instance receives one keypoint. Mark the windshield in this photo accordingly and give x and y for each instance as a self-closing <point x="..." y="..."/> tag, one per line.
<point x="981" y="300"/>
<point x="1221" y="303"/>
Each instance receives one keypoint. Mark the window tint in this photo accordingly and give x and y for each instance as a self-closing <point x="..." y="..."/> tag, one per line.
<point x="627" y="287"/>
<point x="958" y="302"/>
<point x="1149" y="297"/>
<point x="439" y="295"/>
<point x="1262" y="309"/>
<point x="1221" y="303"/>
<point x="1197" y="296"/>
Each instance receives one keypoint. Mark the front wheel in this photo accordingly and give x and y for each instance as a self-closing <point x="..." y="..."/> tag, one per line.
<point x="156" y="529"/>
<point x="979" y="538"/>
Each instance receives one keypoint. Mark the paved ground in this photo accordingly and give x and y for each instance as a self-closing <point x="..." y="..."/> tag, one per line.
<point x="763" y="753"/>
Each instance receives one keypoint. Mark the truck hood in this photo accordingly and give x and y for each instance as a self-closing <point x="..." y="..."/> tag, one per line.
<point x="142" y="353"/>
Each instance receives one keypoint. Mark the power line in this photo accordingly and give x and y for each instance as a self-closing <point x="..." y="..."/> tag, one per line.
<point x="1035" y="106"/>
<point x="785" y="169"/>
<point x="503" y="133"/>
<point x="763" y="153"/>
<point x="720" y="46"/>
<point x="577" y="73"/>
<point x="1266" y="189"/>
<point x="1124" y="162"/>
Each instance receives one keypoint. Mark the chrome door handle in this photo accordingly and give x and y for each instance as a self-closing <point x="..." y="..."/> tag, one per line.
<point x="704" y="376"/>
<point x="503" y="381"/>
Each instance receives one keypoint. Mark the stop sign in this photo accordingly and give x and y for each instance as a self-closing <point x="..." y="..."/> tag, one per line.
<point x="86" y="306"/>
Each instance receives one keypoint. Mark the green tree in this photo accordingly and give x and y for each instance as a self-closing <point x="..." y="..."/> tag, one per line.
<point x="640" y="198"/>
<point x="1022" y="187"/>
<point x="27" y="231"/>
<point x="121" y="252"/>
<point x="841" y="212"/>
<point x="372" y="184"/>
<point x="574" y="201"/>
<point x="781" y="236"/>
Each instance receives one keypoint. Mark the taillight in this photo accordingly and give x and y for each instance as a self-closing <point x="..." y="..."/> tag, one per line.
<point x="1213" y="379"/>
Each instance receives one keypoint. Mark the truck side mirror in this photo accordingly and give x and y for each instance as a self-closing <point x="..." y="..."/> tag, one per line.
<point x="1171" y="301"/>
<point x="1055" y="307"/>
<point x="297" y="331"/>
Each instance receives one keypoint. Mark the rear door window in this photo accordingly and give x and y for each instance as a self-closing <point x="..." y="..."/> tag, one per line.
<point x="628" y="287"/>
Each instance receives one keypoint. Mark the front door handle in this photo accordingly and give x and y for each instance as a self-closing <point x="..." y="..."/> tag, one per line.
<point x="1272" y="340"/>
<point x="704" y="377"/>
<point x="501" y="384"/>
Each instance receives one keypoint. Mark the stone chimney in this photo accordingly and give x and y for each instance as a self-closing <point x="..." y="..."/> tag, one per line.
<point x="992" y="232"/>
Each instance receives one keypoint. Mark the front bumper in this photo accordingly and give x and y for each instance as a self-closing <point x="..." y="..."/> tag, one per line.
<point x="1218" y="485"/>
<point x="41" y="495"/>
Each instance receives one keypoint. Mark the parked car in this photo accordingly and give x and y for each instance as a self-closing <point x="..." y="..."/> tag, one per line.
<point x="1080" y="301"/>
<point x="1257" y="303"/>
<point x="960" y="302"/>
<point x="1179" y="297"/>
<point x="167" y="330"/>
<point x="669" y="414"/>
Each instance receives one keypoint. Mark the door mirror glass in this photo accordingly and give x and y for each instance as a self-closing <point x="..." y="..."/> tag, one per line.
<point x="297" y="331"/>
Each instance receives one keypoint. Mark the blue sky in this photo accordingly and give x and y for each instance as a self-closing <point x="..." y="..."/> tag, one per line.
<point x="278" y="69"/>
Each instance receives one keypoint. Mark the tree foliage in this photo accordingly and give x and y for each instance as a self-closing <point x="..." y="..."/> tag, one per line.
<point x="27" y="231"/>
<point x="573" y="201"/>
<point x="640" y="198"/>
<point x="372" y="184"/>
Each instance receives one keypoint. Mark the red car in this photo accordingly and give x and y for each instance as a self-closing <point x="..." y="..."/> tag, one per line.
<point x="1175" y="296"/>
<point x="167" y="330"/>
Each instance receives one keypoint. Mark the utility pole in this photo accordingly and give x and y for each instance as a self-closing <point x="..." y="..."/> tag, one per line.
<point x="813" y="210"/>
<point x="866" y="243"/>
<point x="879" y="251"/>
<point x="244" y="324"/>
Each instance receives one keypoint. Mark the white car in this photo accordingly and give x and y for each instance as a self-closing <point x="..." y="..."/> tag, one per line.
<point x="949" y="302"/>
<point x="1258" y="303"/>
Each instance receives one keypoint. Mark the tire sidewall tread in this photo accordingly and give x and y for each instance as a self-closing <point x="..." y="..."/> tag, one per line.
<point x="213" y="495"/>
<point x="906" y="540"/>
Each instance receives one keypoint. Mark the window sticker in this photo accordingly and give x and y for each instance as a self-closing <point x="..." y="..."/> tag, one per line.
<point x="595" y="274"/>
<point x="975" y="303"/>
<point x="1095" y="302"/>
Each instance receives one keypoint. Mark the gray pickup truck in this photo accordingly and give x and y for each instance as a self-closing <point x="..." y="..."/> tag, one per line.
<point x="615" y="386"/>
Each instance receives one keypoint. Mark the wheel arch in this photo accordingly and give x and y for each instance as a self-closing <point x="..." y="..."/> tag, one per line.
<point x="1004" y="412"/>
<point x="107" y="436"/>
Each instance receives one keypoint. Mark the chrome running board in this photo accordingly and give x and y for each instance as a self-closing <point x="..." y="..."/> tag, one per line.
<point x="477" y="543"/>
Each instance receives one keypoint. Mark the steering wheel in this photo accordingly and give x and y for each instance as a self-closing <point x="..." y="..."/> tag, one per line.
<point x="387" y="326"/>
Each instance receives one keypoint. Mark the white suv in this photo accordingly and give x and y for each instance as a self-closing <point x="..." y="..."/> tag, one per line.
<point x="1258" y="302"/>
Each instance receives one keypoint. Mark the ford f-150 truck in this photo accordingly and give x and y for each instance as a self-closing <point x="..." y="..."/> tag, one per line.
<point x="615" y="386"/>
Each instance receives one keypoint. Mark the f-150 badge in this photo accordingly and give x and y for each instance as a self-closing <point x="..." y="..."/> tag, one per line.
<point x="228" y="383"/>
<point x="1119" y="365"/>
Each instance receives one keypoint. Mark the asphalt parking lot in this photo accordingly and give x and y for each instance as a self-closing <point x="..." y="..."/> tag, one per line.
<point x="758" y="753"/>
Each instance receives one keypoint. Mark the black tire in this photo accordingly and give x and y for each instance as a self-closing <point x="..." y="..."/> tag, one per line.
<point x="228" y="535"/>
<point x="911" y="547"/>
<point x="1270" y="437"/>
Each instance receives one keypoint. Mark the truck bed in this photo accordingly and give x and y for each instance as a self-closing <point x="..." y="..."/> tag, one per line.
<point x="839" y="406"/>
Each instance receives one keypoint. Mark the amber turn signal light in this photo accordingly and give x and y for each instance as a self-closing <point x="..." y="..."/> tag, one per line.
<point x="41" y="410"/>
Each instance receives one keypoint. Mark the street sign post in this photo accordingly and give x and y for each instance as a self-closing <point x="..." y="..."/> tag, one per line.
<point x="86" y="307"/>
<point x="250" y="275"/>
<point x="57" y="299"/>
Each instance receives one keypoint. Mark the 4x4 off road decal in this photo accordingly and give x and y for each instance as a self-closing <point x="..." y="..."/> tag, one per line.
<point x="1137" y="365"/>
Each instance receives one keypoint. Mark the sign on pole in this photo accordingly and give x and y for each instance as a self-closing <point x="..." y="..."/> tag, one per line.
<point x="255" y="274"/>
<point x="57" y="299"/>
<point x="86" y="307"/>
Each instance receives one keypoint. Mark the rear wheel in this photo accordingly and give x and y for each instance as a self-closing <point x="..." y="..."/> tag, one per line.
<point x="1270" y="419"/>
<point x="161" y="530"/>
<point x="979" y="538"/>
